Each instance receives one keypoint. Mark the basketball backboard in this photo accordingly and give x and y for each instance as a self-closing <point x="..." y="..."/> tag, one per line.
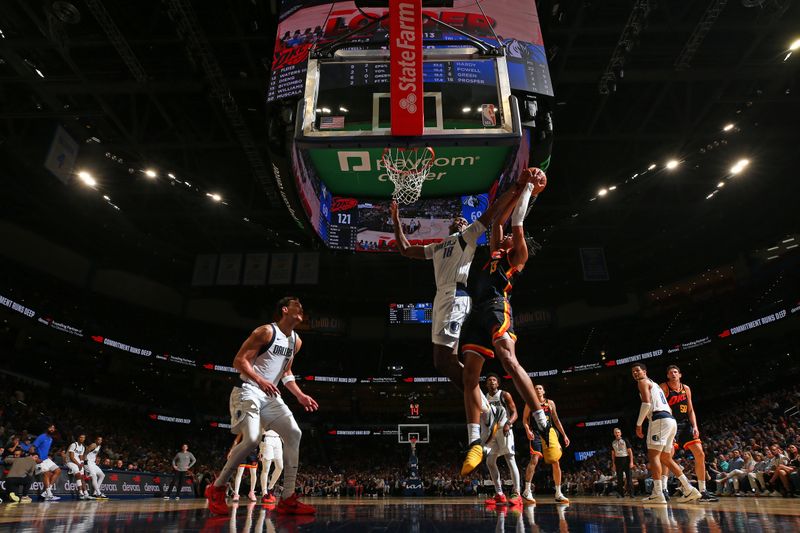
<point x="405" y="432"/>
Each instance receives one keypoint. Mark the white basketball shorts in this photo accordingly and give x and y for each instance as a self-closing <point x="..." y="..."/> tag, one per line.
<point x="449" y="313"/>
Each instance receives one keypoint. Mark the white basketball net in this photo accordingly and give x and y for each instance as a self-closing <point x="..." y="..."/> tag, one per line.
<point x="407" y="168"/>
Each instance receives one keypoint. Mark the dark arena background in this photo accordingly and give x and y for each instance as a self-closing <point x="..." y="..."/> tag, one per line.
<point x="172" y="169"/>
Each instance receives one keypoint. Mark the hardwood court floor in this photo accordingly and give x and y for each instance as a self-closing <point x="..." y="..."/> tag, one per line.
<point x="417" y="515"/>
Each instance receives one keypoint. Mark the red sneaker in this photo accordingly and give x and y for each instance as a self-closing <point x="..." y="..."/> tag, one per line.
<point x="268" y="498"/>
<point x="499" y="499"/>
<point x="216" y="500"/>
<point x="515" y="500"/>
<point x="293" y="505"/>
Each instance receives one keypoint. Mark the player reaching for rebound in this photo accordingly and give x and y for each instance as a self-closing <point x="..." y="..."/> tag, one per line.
<point x="451" y="261"/>
<point x="490" y="328"/>
<point x="549" y="448"/>
<point x="264" y="358"/>
<point x="660" y="435"/>
<point x="503" y="412"/>
<point x="679" y="398"/>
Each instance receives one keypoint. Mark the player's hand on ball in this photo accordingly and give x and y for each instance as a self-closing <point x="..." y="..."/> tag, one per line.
<point x="539" y="180"/>
<point x="268" y="388"/>
<point x="309" y="403"/>
<point x="525" y="176"/>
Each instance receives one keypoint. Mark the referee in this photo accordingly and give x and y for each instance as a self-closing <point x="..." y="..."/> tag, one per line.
<point x="622" y="461"/>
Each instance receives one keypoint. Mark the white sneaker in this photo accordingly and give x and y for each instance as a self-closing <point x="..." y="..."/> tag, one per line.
<point x="693" y="495"/>
<point x="81" y="496"/>
<point x="528" y="496"/>
<point x="177" y="497"/>
<point x="560" y="498"/>
<point x="655" y="499"/>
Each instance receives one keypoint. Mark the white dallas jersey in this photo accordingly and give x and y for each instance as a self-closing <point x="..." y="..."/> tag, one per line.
<point x="498" y="407"/>
<point x="273" y="359"/>
<point x="77" y="449"/>
<point x="453" y="256"/>
<point x="91" y="457"/>
<point x="270" y="439"/>
<point x="657" y="400"/>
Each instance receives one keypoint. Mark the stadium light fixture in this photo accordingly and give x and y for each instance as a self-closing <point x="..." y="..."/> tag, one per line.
<point x="739" y="166"/>
<point x="652" y="166"/>
<point x="672" y="164"/>
<point x="728" y="127"/>
<point x="602" y="192"/>
<point x="466" y="110"/>
<point x="150" y="173"/>
<point x="214" y="196"/>
<point x="87" y="178"/>
<point x="795" y="45"/>
<point x="613" y="187"/>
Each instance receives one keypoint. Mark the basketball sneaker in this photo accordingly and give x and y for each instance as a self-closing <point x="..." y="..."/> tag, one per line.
<point x="515" y="499"/>
<point x="499" y="499"/>
<point x="656" y="498"/>
<point x="706" y="497"/>
<point x="474" y="458"/>
<point x="268" y="498"/>
<point x="528" y="498"/>
<point x="216" y="500"/>
<point x="235" y="497"/>
<point x="293" y="505"/>
<point x="693" y="495"/>
<point x="252" y="496"/>
<point x="560" y="498"/>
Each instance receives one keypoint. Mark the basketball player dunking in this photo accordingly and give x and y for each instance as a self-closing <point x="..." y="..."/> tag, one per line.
<point x="451" y="260"/>
<point x="660" y="436"/>
<point x="537" y="449"/>
<point x="490" y="326"/>
<point x="503" y="412"/>
<point x="679" y="398"/>
<point x="264" y="358"/>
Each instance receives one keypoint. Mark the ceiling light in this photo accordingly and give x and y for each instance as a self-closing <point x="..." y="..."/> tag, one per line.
<point x="171" y="175"/>
<point x="728" y="127"/>
<point x="720" y="185"/>
<point x="790" y="239"/>
<point x="150" y="173"/>
<point x="326" y="110"/>
<point x="214" y="196"/>
<point x="795" y="45"/>
<point x="602" y="192"/>
<point x="613" y="187"/>
<point x="187" y="183"/>
<point x="652" y="166"/>
<point x="739" y="166"/>
<point x="709" y="196"/>
<point x="87" y="178"/>
<point x="466" y="110"/>
<point x="344" y="109"/>
<point x="772" y="257"/>
<point x="39" y="72"/>
<point x="105" y="197"/>
<point x="792" y="246"/>
<point x="672" y="164"/>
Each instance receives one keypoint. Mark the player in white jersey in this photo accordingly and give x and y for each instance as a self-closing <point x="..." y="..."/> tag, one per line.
<point x="91" y="469"/>
<point x="501" y="415"/>
<point x="75" y="466"/>
<point x="270" y="451"/>
<point x="451" y="261"/>
<point x="661" y="432"/>
<point x="264" y="359"/>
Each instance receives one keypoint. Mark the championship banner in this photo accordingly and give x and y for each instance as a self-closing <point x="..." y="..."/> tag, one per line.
<point x="118" y="483"/>
<point x="405" y="50"/>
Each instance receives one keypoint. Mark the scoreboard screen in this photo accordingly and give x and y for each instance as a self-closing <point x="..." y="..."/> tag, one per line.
<point x="419" y="313"/>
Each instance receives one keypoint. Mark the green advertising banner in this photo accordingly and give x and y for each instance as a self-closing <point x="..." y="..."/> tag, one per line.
<point x="456" y="170"/>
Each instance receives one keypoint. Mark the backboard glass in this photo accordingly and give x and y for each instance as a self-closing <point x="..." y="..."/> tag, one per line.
<point x="406" y="431"/>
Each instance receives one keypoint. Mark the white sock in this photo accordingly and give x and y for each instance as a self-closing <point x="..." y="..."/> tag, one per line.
<point x="657" y="487"/>
<point x="701" y="485"/>
<point x="527" y="486"/>
<point x="473" y="433"/>
<point x="664" y="481"/>
<point x="687" y="487"/>
<point x="558" y="489"/>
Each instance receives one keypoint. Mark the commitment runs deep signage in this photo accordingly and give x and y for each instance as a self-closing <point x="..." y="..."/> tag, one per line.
<point x="405" y="46"/>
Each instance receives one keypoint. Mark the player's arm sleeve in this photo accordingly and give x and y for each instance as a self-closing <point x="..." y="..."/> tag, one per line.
<point x="474" y="232"/>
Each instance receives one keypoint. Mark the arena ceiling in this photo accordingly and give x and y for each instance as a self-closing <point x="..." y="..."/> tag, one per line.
<point x="179" y="86"/>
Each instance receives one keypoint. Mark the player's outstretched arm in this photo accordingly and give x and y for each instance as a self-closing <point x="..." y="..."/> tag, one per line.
<point x="403" y="246"/>
<point x="243" y="362"/>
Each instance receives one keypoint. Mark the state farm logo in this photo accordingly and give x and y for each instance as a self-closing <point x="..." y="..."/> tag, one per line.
<point x="407" y="47"/>
<point x="409" y="103"/>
